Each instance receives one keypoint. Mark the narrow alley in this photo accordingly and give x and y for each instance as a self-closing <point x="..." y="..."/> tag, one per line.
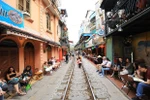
<point x="46" y="88"/>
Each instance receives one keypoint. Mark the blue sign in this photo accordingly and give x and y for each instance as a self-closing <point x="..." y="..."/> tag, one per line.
<point x="100" y="32"/>
<point x="10" y="15"/>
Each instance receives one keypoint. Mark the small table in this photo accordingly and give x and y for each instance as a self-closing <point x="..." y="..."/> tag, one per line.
<point x="38" y="75"/>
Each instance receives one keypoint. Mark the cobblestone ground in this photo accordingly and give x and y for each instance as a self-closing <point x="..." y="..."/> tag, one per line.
<point x="46" y="87"/>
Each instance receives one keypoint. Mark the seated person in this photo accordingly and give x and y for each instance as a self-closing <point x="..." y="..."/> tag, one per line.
<point x="12" y="78"/>
<point x="26" y="75"/>
<point x="105" y="67"/>
<point x="2" y="86"/>
<point x="128" y="69"/>
<point x="57" y="64"/>
<point x="143" y="85"/>
<point x="104" y="62"/>
<point x="47" y="67"/>
<point x="99" y="61"/>
<point x="118" y="66"/>
<point x="1" y="94"/>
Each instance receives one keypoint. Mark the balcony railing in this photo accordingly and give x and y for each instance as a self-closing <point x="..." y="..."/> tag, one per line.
<point x="123" y="11"/>
<point x="55" y="5"/>
<point x="56" y="2"/>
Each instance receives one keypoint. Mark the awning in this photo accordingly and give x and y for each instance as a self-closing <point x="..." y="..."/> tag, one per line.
<point x="92" y="36"/>
<point x="25" y="32"/>
<point x="86" y="34"/>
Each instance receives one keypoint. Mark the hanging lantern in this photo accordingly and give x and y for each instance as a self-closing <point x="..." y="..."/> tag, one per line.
<point x="101" y="46"/>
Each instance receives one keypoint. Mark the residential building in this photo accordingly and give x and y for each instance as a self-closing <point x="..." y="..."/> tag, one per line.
<point x="63" y="32"/>
<point x="92" y="32"/>
<point x="28" y="33"/>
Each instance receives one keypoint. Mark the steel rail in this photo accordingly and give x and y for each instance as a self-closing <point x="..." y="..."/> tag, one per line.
<point x="94" y="98"/>
<point x="88" y="82"/>
<point x="66" y="89"/>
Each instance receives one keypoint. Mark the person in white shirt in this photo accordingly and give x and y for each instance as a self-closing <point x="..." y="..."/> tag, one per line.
<point x="104" y="62"/>
<point x="107" y="66"/>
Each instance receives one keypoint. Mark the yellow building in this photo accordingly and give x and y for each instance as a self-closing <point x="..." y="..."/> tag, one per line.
<point x="28" y="33"/>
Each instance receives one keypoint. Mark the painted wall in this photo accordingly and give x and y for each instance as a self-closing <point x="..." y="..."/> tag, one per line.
<point x="118" y="46"/>
<point x="109" y="48"/>
<point x="39" y="25"/>
<point x="141" y="46"/>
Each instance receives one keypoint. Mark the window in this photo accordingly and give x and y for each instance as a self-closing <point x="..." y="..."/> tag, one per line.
<point x="48" y="22"/>
<point x="24" y="5"/>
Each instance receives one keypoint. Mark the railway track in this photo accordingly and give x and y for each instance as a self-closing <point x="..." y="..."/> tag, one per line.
<point x="75" y="85"/>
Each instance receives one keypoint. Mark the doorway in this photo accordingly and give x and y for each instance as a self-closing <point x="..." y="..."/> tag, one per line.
<point x="9" y="56"/>
<point x="29" y="55"/>
<point x="49" y="52"/>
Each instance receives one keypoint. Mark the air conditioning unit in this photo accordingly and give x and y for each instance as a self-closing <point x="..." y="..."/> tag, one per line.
<point x="26" y="14"/>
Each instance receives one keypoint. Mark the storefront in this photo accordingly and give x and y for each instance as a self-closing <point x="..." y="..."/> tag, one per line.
<point x="19" y="45"/>
<point x="9" y="46"/>
<point x="99" y="43"/>
<point x="129" y="37"/>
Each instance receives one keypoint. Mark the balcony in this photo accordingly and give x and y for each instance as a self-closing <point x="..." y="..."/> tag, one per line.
<point x="52" y="5"/>
<point x="128" y="17"/>
<point x="64" y="40"/>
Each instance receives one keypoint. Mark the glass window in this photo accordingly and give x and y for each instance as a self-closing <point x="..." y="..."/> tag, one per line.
<point x="24" y="5"/>
<point x="21" y="5"/>
<point x="48" y="22"/>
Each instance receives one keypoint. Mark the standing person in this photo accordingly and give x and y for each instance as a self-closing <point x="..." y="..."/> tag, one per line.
<point x="79" y="62"/>
<point x="67" y="58"/>
<point x="143" y="85"/>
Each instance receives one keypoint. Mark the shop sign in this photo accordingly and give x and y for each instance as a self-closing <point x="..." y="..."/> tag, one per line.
<point x="97" y="39"/>
<point x="10" y="15"/>
<point x="89" y="44"/>
<point x="100" y="32"/>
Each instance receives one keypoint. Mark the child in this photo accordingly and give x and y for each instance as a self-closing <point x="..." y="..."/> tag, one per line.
<point x="79" y="62"/>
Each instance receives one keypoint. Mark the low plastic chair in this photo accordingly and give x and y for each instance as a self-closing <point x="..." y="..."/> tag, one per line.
<point x="127" y="81"/>
<point x="26" y="86"/>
